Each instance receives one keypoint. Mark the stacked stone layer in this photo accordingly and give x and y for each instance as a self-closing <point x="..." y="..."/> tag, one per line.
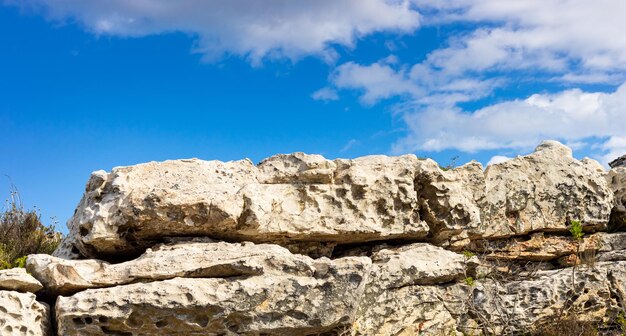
<point x="302" y="245"/>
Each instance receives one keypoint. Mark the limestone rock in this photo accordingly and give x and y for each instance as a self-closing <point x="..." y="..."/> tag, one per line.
<point x="297" y="168"/>
<point x="448" y="201"/>
<point x="617" y="182"/>
<point x="190" y="259"/>
<point x="288" y="198"/>
<point x="619" y="162"/>
<point x="22" y="314"/>
<point x="415" y="264"/>
<point x="268" y="304"/>
<point x="401" y="297"/>
<point x="406" y="311"/>
<point x="16" y="279"/>
<point x="537" y="247"/>
<point x="134" y="205"/>
<point x="520" y="306"/>
<point x="544" y="191"/>
<point x="372" y="198"/>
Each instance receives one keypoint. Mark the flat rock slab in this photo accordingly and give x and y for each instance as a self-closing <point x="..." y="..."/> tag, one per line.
<point x="17" y="279"/>
<point x="194" y="259"/>
<point x="267" y="304"/>
<point x="22" y="314"/>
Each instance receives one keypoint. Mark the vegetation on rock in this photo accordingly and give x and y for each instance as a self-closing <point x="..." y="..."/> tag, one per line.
<point x="22" y="233"/>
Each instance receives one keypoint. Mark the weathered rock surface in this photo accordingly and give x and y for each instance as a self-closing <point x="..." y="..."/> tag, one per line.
<point x="398" y="299"/>
<point x="194" y="259"/>
<point x="544" y="191"/>
<point x="448" y="201"/>
<point x="594" y="294"/>
<point x="539" y="247"/>
<point x="268" y="305"/>
<point x="287" y="198"/>
<point x="22" y="314"/>
<point x="16" y="279"/>
<point x="303" y="245"/>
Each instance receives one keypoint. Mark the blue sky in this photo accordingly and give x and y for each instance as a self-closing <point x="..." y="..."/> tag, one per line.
<point x="88" y="85"/>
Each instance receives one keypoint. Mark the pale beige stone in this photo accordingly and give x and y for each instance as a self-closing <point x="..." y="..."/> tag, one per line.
<point x="449" y="201"/>
<point x="402" y="298"/>
<point x="190" y="259"/>
<point x="365" y="199"/>
<point x="268" y="304"/>
<point x="16" y="279"/>
<point x="544" y="191"/>
<point x="22" y="314"/>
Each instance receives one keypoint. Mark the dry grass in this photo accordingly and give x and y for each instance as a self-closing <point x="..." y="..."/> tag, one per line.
<point x="22" y="233"/>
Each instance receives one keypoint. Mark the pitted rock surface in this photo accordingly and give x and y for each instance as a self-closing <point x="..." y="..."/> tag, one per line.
<point x="303" y="245"/>
<point x="22" y="314"/>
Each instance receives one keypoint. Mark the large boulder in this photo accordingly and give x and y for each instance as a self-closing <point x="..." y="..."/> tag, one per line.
<point x="22" y="314"/>
<point x="279" y="304"/>
<point x="545" y="191"/>
<point x="286" y="198"/>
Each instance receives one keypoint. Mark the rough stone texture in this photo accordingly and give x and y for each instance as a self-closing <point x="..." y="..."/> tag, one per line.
<point x="398" y="300"/>
<point x="617" y="182"/>
<point x="386" y="231"/>
<point x="448" y="201"/>
<point x="544" y="191"/>
<point x="16" y="279"/>
<point x="268" y="304"/>
<point x="67" y="248"/>
<point x="185" y="259"/>
<point x="287" y="198"/>
<point x="21" y="314"/>
<point x="520" y="306"/>
<point x="537" y="247"/>
<point x="619" y="162"/>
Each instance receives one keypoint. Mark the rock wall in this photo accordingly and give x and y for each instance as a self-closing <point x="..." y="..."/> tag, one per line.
<point x="302" y="245"/>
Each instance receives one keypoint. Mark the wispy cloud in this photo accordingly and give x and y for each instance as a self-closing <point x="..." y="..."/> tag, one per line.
<point x="254" y="29"/>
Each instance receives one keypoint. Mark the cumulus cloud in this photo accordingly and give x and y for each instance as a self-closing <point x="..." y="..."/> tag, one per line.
<point x="508" y="43"/>
<point x="250" y="28"/>
<point x="573" y="116"/>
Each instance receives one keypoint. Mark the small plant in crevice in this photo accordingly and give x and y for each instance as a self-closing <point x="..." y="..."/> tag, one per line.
<point x="469" y="281"/>
<point x="468" y="254"/>
<point x="576" y="229"/>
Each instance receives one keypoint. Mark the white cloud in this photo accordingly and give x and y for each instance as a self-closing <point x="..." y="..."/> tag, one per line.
<point x="250" y="28"/>
<point x="325" y="94"/>
<point x="508" y="44"/>
<point x="571" y="115"/>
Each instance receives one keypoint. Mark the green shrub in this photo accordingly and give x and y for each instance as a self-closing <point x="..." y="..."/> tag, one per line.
<point x="576" y="229"/>
<point x="22" y="233"/>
